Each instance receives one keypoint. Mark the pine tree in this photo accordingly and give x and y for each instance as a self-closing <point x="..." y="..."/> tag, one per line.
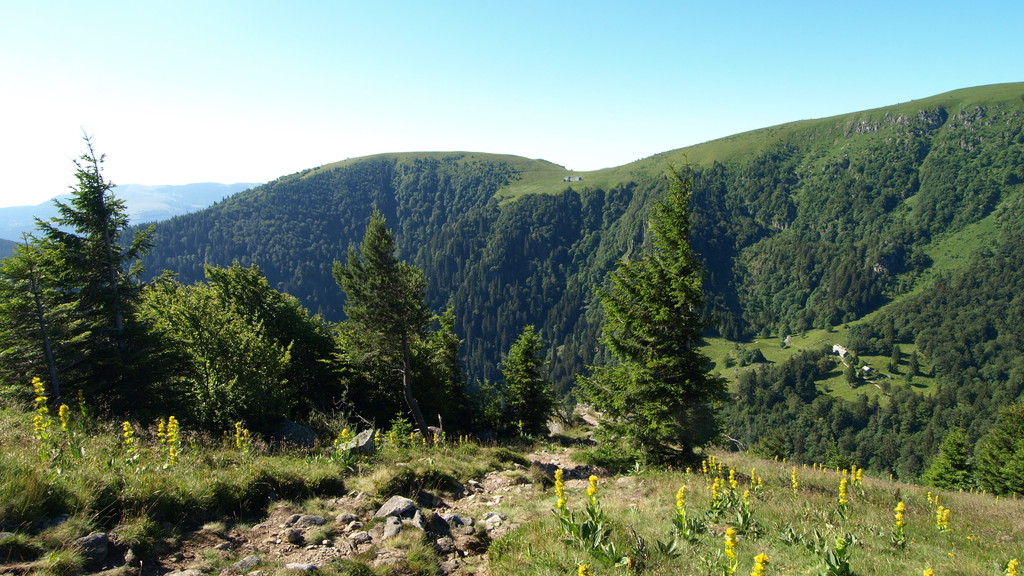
<point x="91" y="283"/>
<point x="385" y="302"/>
<point x="999" y="455"/>
<point x="952" y="467"/>
<point x="658" y="394"/>
<point x="530" y="396"/>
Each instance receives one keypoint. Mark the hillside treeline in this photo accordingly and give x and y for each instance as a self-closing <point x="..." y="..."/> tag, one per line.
<point x="807" y="225"/>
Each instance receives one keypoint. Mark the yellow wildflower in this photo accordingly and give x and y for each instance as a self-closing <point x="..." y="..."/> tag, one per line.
<point x="730" y="542"/>
<point x="64" y="414"/>
<point x="592" y="489"/>
<point x="1012" y="568"/>
<point x="760" y="564"/>
<point x="899" y="510"/>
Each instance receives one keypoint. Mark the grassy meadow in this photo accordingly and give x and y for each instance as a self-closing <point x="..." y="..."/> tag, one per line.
<point x="149" y="487"/>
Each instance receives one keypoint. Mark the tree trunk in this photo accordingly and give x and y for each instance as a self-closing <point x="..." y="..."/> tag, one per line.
<point x="410" y="399"/>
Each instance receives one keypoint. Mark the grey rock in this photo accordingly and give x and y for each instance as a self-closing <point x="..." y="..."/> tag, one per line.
<point x="354" y="525"/>
<point x="449" y="566"/>
<point x="417" y="522"/>
<point x="396" y="506"/>
<point x="94" y="548"/>
<point x="56" y="521"/>
<point x="223" y="546"/>
<point x="392" y="527"/>
<point x="246" y="564"/>
<point x="300" y="566"/>
<point x="493" y="520"/>
<point x="345" y="518"/>
<point x="189" y="572"/>
<point x="444" y="545"/>
<point x="460" y="524"/>
<point x="360" y="537"/>
<point x="363" y="443"/>
<point x="309" y="520"/>
<point x="294" y="536"/>
<point x="292" y="519"/>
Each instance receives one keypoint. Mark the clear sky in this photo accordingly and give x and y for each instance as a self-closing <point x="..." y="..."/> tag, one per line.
<point x="224" y="91"/>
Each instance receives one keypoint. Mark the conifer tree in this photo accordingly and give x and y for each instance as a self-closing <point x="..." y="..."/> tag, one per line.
<point x="999" y="454"/>
<point x="90" y="282"/>
<point x="531" y="397"/>
<point x="952" y="467"/>
<point x="658" y="394"/>
<point x="34" y="322"/>
<point x="384" y="301"/>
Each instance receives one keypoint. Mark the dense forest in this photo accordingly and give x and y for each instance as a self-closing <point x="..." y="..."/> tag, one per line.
<point x="808" y="225"/>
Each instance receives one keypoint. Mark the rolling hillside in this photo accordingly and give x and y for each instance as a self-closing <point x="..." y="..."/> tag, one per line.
<point x="811" y="225"/>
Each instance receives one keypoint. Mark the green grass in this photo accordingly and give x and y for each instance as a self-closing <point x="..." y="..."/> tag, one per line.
<point x="215" y="483"/>
<point x="795" y="531"/>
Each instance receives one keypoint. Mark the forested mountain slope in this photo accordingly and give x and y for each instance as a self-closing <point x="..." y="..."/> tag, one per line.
<point x="803" y="225"/>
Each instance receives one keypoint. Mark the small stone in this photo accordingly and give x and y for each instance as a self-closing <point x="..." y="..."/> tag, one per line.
<point x="346" y="518"/>
<point x="189" y="572"/>
<point x="300" y="567"/>
<point x="392" y="527"/>
<point x="294" y="536"/>
<point x="360" y="537"/>
<point x="355" y="525"/>
<point x="444" y="545"/>
<point x="310" y="520"/>
<point x="94" y="548"/>
<point x="246" y="564"/>
<point x="292" y="519"/>
<point x="223" y="546"/>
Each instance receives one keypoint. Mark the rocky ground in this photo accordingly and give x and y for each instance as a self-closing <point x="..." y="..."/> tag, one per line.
<point x="459" y="528"/>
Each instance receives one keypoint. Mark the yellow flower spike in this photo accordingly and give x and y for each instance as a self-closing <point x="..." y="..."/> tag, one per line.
<point x="929" y="572"/>
<point x="899" y="510"/>
<point x="64" y="414"/>
<point x="730" y="542"/>
<point x="560" y="491"/>
<point x="733" y="483"/>
<point x="1012" y="568"/>
<point x="583" y="570"/>
<point x="842" y="491"/>
<point x="592" y="490"/>
<point x="760" y="564"/>
<point x="796" y="484"/>
<point x="681" y="501"/>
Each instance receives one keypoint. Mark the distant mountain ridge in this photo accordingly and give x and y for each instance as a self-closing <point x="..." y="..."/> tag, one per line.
<point x="802" y="225"/>
<point x="144" y="203"/>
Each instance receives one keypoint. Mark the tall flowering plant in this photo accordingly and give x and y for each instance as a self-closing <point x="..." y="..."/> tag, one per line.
<point x="589" y="530"/>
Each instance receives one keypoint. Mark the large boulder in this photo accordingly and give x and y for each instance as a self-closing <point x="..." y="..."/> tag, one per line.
<point x="397" y="506"/>
<point x="363" y="443"/>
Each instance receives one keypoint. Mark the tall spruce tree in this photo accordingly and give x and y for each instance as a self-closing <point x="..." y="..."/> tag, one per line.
<point x="384" y="303"/>
<point x="657" y="394"/>
<point x="530" y="396"/>
<point x="952" y="468"/>
<point x="82" y="286"/>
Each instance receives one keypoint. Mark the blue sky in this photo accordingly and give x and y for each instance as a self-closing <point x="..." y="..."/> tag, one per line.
<point x="179" y="92"/>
